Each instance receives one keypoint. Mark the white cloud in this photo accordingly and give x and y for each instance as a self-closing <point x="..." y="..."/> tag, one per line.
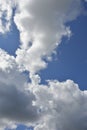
<point x="58" y="105"/>
<point x="64" y="106"/>
<point x="6" y="61"/>
<point x="41" y="27"/>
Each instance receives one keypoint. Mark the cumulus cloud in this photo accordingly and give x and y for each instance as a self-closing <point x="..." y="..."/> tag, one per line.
<point x="56" y="105"/>
<point x="16" y="104"/>
<point x="42" y="25"/>
<point x="64" y="106"/>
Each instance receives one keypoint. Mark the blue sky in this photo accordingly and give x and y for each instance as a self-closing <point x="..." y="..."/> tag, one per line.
<point x="70" y="61"/>
<point x="71" y="56"/>
<point x="22" y="127"/>
<point x="10" y="41"/>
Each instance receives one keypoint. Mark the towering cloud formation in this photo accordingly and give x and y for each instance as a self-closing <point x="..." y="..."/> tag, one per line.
<point x="57" y="105"/>
<point x="41" y="27"/>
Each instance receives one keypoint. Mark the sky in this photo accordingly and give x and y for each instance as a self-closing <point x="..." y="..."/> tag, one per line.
<point x="43" y="59"/>
<point x="70" y="61"/>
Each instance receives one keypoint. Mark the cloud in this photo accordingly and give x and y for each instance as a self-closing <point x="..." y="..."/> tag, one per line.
<point x="57" y="105"/>
<point x="42" y="25"/>
<point x="6" y="61"/>
<point x="16" y="103"/>
<point x="64" y="106"/>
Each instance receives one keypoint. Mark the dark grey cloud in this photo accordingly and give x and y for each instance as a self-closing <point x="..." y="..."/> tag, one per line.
<point x="16" y="103"/>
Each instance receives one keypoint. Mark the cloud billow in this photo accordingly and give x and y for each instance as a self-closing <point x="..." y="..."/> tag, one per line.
<point x="63" y="105"/>
<point x="43" y="24"/>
